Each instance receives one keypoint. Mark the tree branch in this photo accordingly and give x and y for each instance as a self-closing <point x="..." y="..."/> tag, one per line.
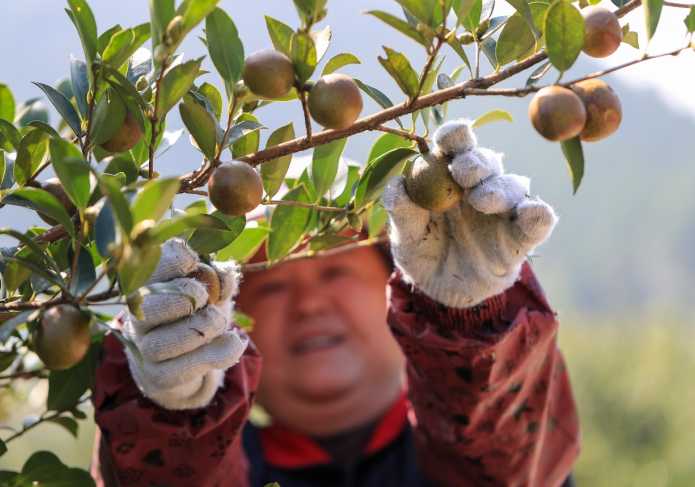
<point x="421" y="141"/>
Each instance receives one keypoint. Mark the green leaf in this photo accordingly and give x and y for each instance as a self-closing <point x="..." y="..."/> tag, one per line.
<point x="324" y="165"/>
<point x="631" y="38"/>
<point x="124" y="44"/>
<point x="66" y="387"/>
<point x="3" y="166"/>
<point x="9" y="326"/>
<point x="422" y="10"/>
<point x="108" y="117"/>
<point x="154" y="199"/>
<point x="194" y="11"/>
<point x="515" y="42"/>
<point x="689" y="25"/>
<point x="83" y="18"/>
<point x="400" y="25"/>
<point x="201" y="124"/>
<point x="489" y="48"/>
<point x="492" y="116"/>
<point x="398" y="66"/>
<point x="273" y="172"/>
<point x="288" y="224"/>
<point x="105" y="229"/>
<point x="3" y="449"/>
<point x="208" y="240"/>
<point x="375" y="94"/>
<point x="280" y="34"/>
<point x="652" y="13"/>
<point x="376" y="220"/>
<point x="66" y="422"/>
<point x="473" y="9"/>
<point x="522" y="6"/>
<point x="63" y="106"/>
<point x="213" y="97"/>
<point x="225" y="47"/>
<point x="338" y="61"/>
<point x="105" y="37"/>
<point x="245" y="245"/>
<point x="137" y="265"/>
<point x="574" y="155"/>
<point x="538" y="73"/>
<point x="72" y="171"/>
<point x="10" y="134"/>
<point x="7" y="104"/>
<point x="564" y="34"/>
<point x="244" y="136"/>
<point x="176" y="83"/>
<point x="352" y="177"/>
<point x="385" y="143"/>
<point x="29" y="111"/>
<point x="86" y="273"/>
<point x="180" y="224"/>
<point x="456" y="45"/>
<point x="80" y="84"/>
<point x="310" y="11"/>
<point x="43" y="201"/>
<point x="303" y="55"/>
<point x="322" y="40"/>
<point x="30" y="154"/>
<point x="378" y="173"/>
<point x="161" y="13"/>
<point x="110" y="186"/>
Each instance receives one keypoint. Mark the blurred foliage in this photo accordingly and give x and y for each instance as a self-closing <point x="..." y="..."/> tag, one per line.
<point x="632" y="380"/>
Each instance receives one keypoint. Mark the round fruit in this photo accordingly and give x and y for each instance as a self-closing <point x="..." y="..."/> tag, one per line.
<point x="126" y="137"/>
<point x="335" y="101"/>
<point x="62" y="337"/>
<point x="207" y="275"/>
<point x="603" y="110"/>
<point x="54" y="187"/>
<point x="235" y="188"/>
<point x="268" y="73"/>
<point x="602" y="33"/>
<point x="557" y="113"/>
<point x="429" y="184"/>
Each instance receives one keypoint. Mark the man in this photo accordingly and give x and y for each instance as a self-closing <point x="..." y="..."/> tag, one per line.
<point x="486" y="400"/>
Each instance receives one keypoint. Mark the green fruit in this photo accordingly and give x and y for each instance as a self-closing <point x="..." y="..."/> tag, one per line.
<point x="235" y="188"/>
<point x="54" y="187"/>
<point x="429" y="184"/>
<point x="335" y="101"/>
<point x="557" y="113"/>
<point x="62" y="337"/>
<point x="603" y="110"/>
<point x="268" y="73"/>
<point x="126" y="137"/>
<point x="602" y="32"/>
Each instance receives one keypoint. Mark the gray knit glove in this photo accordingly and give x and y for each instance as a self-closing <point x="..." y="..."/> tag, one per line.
<point x="475" y="250"/>
<point x="185" y="344"/>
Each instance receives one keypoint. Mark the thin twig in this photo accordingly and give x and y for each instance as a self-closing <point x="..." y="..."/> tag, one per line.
<point x="43" y="419"/>
<point x="422" y="145"/>
<point x="301" y="204"/>
<point x="679" y="5"/>
<point x="260" y="266"/>
<point x="154" y="122"/>
<point x="307" y="116"/>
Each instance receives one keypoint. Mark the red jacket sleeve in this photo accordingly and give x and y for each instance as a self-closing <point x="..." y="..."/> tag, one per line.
<point x="489" y="389"/>
<point x="142" y="444"/>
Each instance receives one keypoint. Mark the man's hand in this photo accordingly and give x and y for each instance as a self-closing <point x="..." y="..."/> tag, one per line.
<point x="185" y="344"/>
<point x="475" y="250"/>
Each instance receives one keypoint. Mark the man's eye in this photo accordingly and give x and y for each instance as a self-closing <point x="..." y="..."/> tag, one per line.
<point x="272" y="288"/>
<point x="335" y="273"/>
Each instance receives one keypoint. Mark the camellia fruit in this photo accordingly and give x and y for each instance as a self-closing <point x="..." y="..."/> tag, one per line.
<point x="209" y="278"/>
<point x="602" y="33"/>
<point x="54" y="187"/>
<point x="127" y="136"/>
<point x="557" y="113"/>
<point x="335" y="101"/>
<point x="603" y="110"/>
<point x="429" y="184"/>
<point x="268" y="73"/>
<point x="62" y="337"/>
<point x="235" y="188"/>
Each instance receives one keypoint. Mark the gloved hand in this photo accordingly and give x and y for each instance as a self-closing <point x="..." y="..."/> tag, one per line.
<point x="185" y="344"/>
<point x="474" y="250"/>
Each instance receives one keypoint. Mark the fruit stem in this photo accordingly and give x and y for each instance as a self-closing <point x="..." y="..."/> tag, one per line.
<point x="305" y="109"/>
<point x="154" y="121"/>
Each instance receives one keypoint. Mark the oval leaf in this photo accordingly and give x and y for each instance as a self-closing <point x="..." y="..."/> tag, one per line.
<point x="564" y="34"/>
<point x="201" y="124"/>
<point x="175" y="84"/>
<point x="273" y="172"/>
<point x="492" y="116"/>
<point x="72" y="171"/>
<point x="225" y="47"/>
<point x="574" y="155"/>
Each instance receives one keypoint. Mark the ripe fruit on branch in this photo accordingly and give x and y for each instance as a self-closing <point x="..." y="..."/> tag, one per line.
<point x="429" y="184"/>
<point x="335" y="101"/>
<point x="603" y="110"/>
<point x="235" y="188"/>
<point x="126" y="137"/>
<point x="268" y="73"/>
<point x="62" y="337"/>
<point x="54" y="187"/>
<point x="557" y="113"/>
<point x="209" y="278"/>
<point x="602" y="33"/>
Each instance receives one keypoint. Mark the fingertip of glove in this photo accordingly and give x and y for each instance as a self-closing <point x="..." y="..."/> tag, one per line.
<point x="455" y="136"/>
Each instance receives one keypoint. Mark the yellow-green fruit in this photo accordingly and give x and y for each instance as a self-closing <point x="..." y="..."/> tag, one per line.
<point x="557" y="113"/>
<point x="62" y="337"/>
<point x="126" y="137"/>
<point x="602" y="32"/>
<point x="54" y="187"/>
<point x="268" y="73"/>
<point x="603" y="110"/>
<point x="335" y="101"/>
<point x="429" y="184"/>
<point x="208" y="277"/>
<point x="235" y="188"/>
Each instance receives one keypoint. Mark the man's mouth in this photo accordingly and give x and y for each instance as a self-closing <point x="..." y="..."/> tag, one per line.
<point x="317" y="343"/>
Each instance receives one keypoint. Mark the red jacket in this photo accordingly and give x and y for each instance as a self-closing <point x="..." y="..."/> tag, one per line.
<point x="489" y="403"/>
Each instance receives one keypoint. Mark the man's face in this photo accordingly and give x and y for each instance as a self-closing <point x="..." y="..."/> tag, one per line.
<point x="320" y="327"/>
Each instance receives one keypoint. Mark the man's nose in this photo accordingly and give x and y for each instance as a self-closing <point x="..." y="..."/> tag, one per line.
<point x="309" y="297"/>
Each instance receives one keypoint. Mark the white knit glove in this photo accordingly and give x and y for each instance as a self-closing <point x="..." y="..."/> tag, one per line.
<point x="185" y="344"/>
<point x="476" y="249"/>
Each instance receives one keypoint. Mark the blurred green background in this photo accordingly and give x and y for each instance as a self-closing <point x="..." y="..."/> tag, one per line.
<point x="619" y="269"/>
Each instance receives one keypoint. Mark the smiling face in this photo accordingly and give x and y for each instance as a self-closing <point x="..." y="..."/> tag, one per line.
<point x="329" y="360"/>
